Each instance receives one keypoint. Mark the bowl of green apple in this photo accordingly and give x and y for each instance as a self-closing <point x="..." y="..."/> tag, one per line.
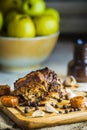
<point x="28" y="33"/>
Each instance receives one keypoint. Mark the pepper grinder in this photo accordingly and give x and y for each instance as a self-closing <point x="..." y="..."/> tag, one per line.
<point x="78" y="66"/>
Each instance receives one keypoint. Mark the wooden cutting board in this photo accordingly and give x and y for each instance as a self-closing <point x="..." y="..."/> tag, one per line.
<point x="50" y="119"/>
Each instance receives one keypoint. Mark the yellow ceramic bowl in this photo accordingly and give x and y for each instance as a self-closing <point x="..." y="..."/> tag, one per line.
<point x="26" y="52"/>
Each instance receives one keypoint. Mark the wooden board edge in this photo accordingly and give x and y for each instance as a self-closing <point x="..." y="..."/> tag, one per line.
<point x="50" y="122"/>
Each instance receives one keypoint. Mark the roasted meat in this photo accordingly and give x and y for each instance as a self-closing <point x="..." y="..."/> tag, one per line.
<point x="40" y="86"/>
<point x="4" y="90"/>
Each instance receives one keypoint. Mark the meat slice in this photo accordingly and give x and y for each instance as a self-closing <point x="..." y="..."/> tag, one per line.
<point x="40" y="85"/>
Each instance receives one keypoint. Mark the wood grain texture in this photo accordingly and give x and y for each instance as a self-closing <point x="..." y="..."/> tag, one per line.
<point x="50" y="119"/>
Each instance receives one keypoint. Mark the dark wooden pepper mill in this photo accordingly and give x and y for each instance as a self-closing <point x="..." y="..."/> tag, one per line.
<point x="78" y="66"/>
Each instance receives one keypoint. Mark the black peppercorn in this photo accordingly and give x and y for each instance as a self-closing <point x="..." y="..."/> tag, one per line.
<point x="71" y="110"/>
<point x="59" y="100"/>
<point x="26" y="110"/>
<point x="60" y="112"/>
<point x="64" y="106"/>
<point x="67" y="97"/>
<point x="36" y="108"/>
<point x="56" y="106"/>
<point x="66" y="111"/>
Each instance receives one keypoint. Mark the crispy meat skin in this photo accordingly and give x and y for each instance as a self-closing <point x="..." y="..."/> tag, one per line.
<point x="40" y="85"/>
<point x="4" y="90"/>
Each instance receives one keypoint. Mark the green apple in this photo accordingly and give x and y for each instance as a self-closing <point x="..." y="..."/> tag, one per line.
<point x="34" y="7"/>
<point x="21" y="26"/>
<point x="53" y="12"/>
<point x="1" y="21"/>
<point x="9" y="16"/>
<point x="46" y="25"/>
<point x="6" y="5"/>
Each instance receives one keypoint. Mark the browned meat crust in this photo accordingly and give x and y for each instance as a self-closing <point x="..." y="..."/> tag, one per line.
<point x="40" y="85"/>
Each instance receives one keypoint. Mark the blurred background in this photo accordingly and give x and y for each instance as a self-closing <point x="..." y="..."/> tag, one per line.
<point x="55" y="51"/>
<point x="73" y="24"/>
<point x="73" y="15"/>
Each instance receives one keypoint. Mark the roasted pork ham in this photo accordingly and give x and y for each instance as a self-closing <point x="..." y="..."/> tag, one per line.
<point x="40" y="86"/>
